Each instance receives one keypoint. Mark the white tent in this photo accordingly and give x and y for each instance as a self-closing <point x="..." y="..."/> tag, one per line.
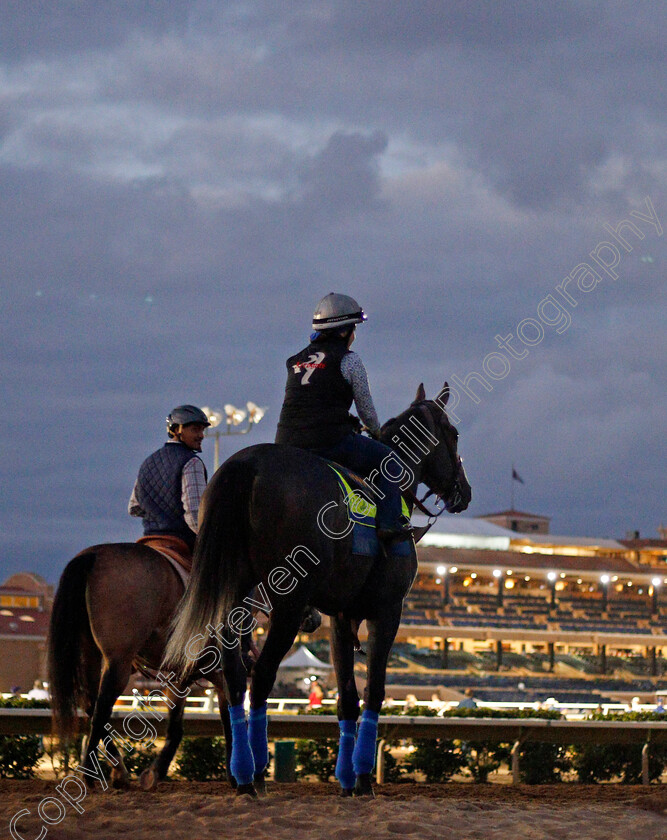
<point x="305" y="660"/>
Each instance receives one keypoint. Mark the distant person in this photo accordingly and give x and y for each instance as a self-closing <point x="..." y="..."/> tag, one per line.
<point x="38" y="692"/>
<point x="468" y="701"/>
<point x="171" y="481"/>
<point x="660" y="708"/>
<point x="315" y="696"/>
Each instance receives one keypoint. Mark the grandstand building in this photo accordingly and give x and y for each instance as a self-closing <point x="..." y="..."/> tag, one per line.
<point x="25" y="608"/>
<point x="519" y="613"/>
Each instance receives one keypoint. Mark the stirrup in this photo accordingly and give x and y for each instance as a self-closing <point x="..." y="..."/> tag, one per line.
<point x="389" y="536"/>
<point x="418" y="531"/>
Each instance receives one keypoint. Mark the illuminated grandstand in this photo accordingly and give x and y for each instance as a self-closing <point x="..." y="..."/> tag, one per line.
<point x="515" y="614"/>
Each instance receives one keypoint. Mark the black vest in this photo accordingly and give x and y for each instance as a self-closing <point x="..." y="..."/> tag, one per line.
<point x="159" y="491"/>
<point x="315" y="412"/>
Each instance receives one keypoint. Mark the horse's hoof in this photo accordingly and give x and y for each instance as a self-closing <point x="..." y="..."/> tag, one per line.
<point x="345" y="792"/>
<point x="246" y="790"/>
<point x="149" y="779"/>
<point x="363" y="786"/>
<point x="260" y="784"/>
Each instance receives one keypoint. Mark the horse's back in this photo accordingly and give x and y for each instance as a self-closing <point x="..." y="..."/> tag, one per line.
<point x="285" y="470"/>
<point x="289" y="488"/>
<point x="131" y="591"/>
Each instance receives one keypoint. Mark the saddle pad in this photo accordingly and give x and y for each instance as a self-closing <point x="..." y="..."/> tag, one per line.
<point x="361" y="512"/>
<point x="174" y="550"/>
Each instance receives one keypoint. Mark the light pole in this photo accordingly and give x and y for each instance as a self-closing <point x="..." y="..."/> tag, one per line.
<point x="552" y="585"/>
<point x="498" y="575"/>
<point x="232" y="417"/>
<point x="604" y="580"/>
<point x="655" y="583"/>
<point x="443" y="572"/>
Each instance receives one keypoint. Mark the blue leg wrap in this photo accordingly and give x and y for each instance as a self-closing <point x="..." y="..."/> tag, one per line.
<point x="257" y="735"/>
<point x="363" y="757"/>
<point x="344" y="770"/>
<point x="242" y="764"/>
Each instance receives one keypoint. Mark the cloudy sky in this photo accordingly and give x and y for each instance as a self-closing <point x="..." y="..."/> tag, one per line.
<point x="181" y="182"/>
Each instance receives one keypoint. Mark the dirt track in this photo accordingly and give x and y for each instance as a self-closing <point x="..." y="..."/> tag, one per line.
<point x="194" y="810"/>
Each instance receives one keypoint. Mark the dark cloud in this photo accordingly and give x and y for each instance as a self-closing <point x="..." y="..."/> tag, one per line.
<point x="40" y="28"/>
<point x="179" y="186"/>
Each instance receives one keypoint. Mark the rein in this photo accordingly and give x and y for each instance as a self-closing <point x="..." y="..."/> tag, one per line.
<point x="409" y="494"/>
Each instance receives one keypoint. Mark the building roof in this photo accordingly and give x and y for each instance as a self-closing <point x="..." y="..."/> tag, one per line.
<point x="469" y="532"/>
<point x="645" y="543"/>
<point x="465" y="532"/>
<point x="515" y="513"/>
<point x="518" y="561"/>
<point x="555" y="540"/>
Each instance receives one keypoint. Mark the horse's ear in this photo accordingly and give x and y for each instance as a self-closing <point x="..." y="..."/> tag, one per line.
<point x="443" y="396"/>
<point x="421" y="393"/>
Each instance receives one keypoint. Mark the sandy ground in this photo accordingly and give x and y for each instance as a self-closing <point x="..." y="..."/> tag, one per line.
<point x="304" y="811"/>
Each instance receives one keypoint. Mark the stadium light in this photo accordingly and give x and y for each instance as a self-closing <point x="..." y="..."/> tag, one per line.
<point x="232" y="417"/>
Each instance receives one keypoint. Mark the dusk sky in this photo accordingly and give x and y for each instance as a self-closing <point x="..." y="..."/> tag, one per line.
<point x="182" y="181"/>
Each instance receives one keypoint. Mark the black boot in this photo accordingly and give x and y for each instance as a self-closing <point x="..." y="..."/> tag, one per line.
<point x="389" y="536"/>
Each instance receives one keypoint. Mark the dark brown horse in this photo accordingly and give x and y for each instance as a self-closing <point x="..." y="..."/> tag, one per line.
<point x="111" y="614"/>
<point x="276" y="533"/>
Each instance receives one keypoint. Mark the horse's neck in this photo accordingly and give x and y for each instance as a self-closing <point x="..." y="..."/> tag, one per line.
<point x="407" y="445"/>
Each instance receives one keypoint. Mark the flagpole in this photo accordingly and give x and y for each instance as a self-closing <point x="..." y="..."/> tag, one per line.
<point x="512" y="486"/>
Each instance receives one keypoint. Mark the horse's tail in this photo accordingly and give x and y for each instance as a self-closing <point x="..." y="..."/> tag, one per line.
<point x="219" y="570"/>
<point x="69" y="627"/>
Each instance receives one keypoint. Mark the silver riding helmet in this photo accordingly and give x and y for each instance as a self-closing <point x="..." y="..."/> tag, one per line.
<point x="184" y="414"/>
<point x="335" y="311"/>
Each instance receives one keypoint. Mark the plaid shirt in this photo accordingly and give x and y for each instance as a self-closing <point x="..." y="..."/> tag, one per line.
<point x="193" y="482"/>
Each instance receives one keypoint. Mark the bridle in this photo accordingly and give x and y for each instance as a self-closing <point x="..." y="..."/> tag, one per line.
<point x="456" y="496"/>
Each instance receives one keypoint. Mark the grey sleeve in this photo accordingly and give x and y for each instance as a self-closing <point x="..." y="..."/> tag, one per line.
<point x="134" y="508"/>
<point x="354" y="372"/>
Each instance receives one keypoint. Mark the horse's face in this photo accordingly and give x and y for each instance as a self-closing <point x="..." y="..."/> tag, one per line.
<point x="441" y="468"/>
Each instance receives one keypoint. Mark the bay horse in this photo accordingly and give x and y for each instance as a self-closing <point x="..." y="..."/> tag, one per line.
<point x="111" y="614"/>
<point x="276" y="532"/>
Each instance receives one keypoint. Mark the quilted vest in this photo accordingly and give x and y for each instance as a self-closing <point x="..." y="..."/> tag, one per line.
<point x="315" y="412"/>
<point x="159" y="491"/>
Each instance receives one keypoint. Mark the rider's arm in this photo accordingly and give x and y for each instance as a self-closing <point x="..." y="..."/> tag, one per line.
<point x="354" y="372"/>
<point x="193" y="482"/>
<point x="134" y="508"/>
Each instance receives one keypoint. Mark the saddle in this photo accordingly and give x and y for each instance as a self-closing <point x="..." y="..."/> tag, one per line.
<point x="361" y="512"/>
<point x="173" y="549"/>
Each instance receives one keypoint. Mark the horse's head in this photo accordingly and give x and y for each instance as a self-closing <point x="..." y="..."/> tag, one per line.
<point x="428" y="444"/>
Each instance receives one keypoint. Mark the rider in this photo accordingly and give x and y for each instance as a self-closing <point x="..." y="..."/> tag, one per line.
<point x="171" y="481"/>
<point x="323" y="380"/>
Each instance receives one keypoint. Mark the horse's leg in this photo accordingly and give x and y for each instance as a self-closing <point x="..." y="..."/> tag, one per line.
<point x="280" y="638"/>
<point x="342" y="649"/>
<point x="218" y="683"/>
<point x="241" y="762"/>
<point x="114" y="679"/>
<point x="158" y="770"/>
<point x="381" y="635"/>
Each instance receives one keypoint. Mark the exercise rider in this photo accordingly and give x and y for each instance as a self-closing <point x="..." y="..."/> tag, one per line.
<point x="323" y="380"/>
